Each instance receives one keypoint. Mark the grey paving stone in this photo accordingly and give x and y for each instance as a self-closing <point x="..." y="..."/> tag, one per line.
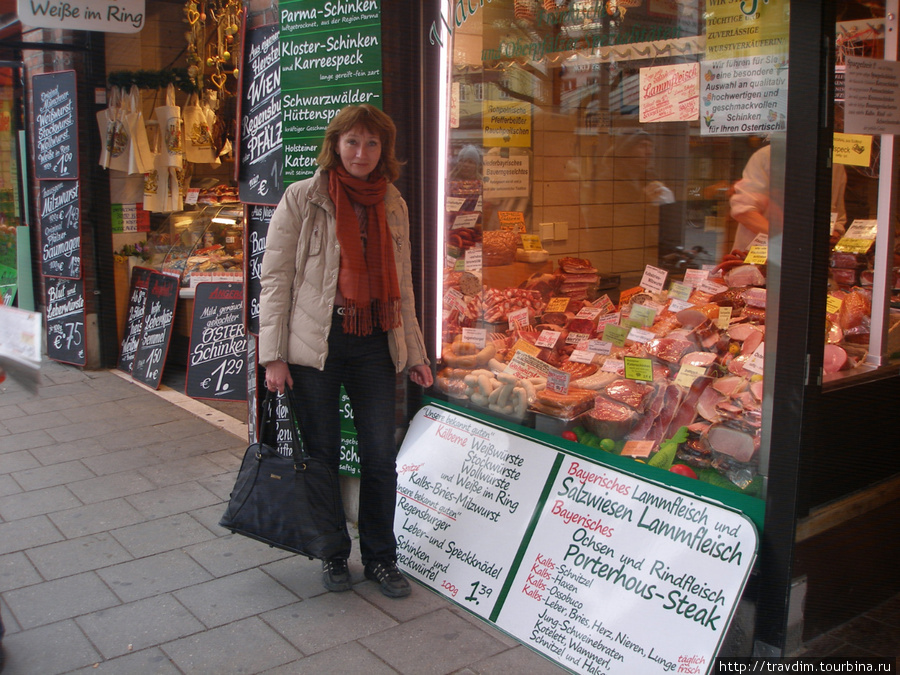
<point x="37" y="502"/>
<point x="209" y="517"/>
<point x="173" y="499"/>
<point x="230" y="459"/>
<point x="20" y="460"/>
<point x="189" y="427"/>
<point x="233" y="553"/>
<point x="64" y="558"/>
<point x="77" y="388"/>
<point x="55" y="474"/>
<point x="147" y="538"/>
<point x="304" y="576"/>
<point x="346" y="658"/>
<point x="60" y="599"/>
<point x="234" y="597"/>
<point x="134" y="437"/>
<point x="154" y="575"/>
<point x="10" y="625"/>
<point x="225" y="649"/>
<point x="27" y="652"/>
<point x="214" y="440"/>
<point x="112" y="486"/>
<point x="8" y="486"/>
<point x="16" y="571"/>
<point x="145" y="662"/>
<point x="180" y="471"/>
<point x="94" y="518"/>
<point x="138" y="625"/>
<point x="517" y="660"/>
<point x="10" y="411"/>
<point x="68" y="451"/>
<point x="421" y="601"/>
<point x="47" y="420"/>
<point x="42" y="405"/>
<point x="433" y="644"/>
<point x="220" y="485"/>
<point x="20" y="535"/>
<point x="327" y="620"/>
<point x="124" y="460"/>
<point x="90" y="429"/>
<point x="99" y="412"/>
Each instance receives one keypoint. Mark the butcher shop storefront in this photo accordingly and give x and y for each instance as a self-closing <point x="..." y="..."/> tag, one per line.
<point x="665" y="242"/>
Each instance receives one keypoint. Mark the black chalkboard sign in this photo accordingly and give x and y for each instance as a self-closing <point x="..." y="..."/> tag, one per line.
<point x="257" y="221"/>
<point x="260" y="151"/>
<point x="65" y="320"/>
<point x="156" y="332"/>
<point x="217" y="359"/>
<point x="60" y="214"/>
<point x="55" y="125"/>
<point x="134" y="322"/>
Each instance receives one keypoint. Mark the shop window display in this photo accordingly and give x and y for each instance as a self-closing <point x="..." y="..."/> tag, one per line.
<point x="601" y="276"/>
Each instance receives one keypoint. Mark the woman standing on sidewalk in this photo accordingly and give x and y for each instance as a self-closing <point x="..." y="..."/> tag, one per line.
<point x="337" y="307"/>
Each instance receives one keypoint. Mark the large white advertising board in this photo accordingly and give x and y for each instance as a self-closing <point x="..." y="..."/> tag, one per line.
<point x="598" y="570"/>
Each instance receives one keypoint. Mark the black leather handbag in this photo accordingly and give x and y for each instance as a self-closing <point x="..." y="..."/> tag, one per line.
<point x="292" y="503"/>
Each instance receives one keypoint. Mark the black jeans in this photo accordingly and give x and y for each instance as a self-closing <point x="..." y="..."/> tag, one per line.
<point x="364" y="366"/>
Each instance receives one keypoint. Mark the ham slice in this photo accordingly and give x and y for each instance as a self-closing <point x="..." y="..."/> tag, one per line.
<point x="835" y="359"/>
<point x="609" y="419"/>
<point x="630" y="392"/>
<point x="731" y="441"/>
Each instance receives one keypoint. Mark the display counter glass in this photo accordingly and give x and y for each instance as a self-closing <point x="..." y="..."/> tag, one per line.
<point x="202" y="245"/>
<point x="612" y="174"/>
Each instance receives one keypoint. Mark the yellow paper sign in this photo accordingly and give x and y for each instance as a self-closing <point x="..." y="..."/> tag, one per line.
<point x="688" y="373"/>
<point x="847" y="245"/>
<point x="757" y="255"/>
<point x="557" y="305"/>
<point x="852" y="149"/>
<point x="638" y="369"/>
<point x="512" y="220"/>
<point x="506" y="124"/>
<point x="615" y="334"/>
<point x="531" y="242"/>
<point x="833" y="304"/>
<point x="527" y="347"/>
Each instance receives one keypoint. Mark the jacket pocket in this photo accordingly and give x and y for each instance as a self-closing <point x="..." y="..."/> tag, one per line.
<point x="315" y="240"/>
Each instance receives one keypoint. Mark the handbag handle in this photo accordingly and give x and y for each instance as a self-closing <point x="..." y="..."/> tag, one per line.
<point x="270" y="423"/>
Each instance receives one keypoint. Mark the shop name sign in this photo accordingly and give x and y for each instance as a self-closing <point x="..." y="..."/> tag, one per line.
<point x="109" y="16"/>
<point x="599" y="570"/>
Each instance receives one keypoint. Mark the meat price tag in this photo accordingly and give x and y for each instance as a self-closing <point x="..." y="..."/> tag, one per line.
<point x="757" y="255"/>
<point x="581" y="356"/>
<point x="638" y="448"/>
<point x="524" y="366"/>
<point x="724" y="318"/>
<point x="531" y="242"/>
<point x="589" y="312"/>
<point x="680" y="291"/>
<point x="599" y="346"/>
<point x="518" y="319"/>
<point x="638" y="369"/>
<point x="687" y="374"/>
<point x="607" y="319"/>
<point x="604" y="304"/>
<point x="474" y="335"/>
<point x="465" y="221"/>
<point x="832" y="304"/>
<point x="557" y="305"/>
<point x="525" y="347"/>
<point x="575" y="338"/>
<point x="473" y="259"/>
<point x="694" y="277"/>
<point x="548" y="339"/>
<point x="613" y="366"/>
<point x="755" y="363"/>
<point x="642" y="315"/>
<point x="639" y="335"/>
<point x="598" y="569"/>
<point x="558" y="381"/>
<point x="654" y="278"/>
<point x="676" y="305"/>
<point x="455" y="299"/>
<point x="711" y="287"/>
<point x="615" y="334"/>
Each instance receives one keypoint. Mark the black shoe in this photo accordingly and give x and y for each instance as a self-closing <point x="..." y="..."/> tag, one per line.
<point x="393" y="583"/>
<point x="336" y="575"/>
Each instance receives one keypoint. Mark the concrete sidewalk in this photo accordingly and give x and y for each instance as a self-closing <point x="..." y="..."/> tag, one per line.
<point x="112" y="561"/>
